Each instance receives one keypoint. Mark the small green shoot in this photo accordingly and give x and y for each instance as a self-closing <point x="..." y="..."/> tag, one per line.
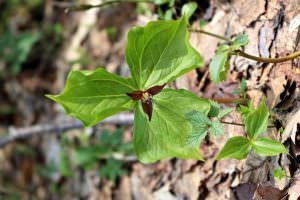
<point x="279" y="173"/>
<point x="256" y="122"/>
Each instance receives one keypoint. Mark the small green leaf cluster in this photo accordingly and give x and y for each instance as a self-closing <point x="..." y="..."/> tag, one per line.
<point x="203" y="124"/>
<point x="16" y="48"/>
<point x="279" y="173"/>
<point x="187" y="9"/>
<point x="101" y="153"/>
<point x="219" y="65"/>
<point x="256" y="122"/>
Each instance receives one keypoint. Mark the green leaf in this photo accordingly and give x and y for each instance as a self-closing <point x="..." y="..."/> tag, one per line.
<point x="239" y="41"/>
<point x="85" y="156"/>
<point x="112" y="169"/>
<point x="64" y="165"/>
<point x="168" y="14"/>
<point x="200" y="123"/>
<point x="160" y="2"/>
<point x="16" y="48"/>
<point x="257" y="121"/>
<point x="224" y="112"/>
<point x="243" y="88"/>
<point x="188" y="9"/>
<point x="246" y="110"/>
<point x="214" y="109"/>
<point x="92" y="96"/>
<point x="268" y="147"/>
<point x="279" y="173"/>
<point x="236" y="147"/>
<point x="202" y="23"/>
<point x="167" y="133"/>
<point x="160" y="52"/>
<point x="216" y="129"/>
<point x="219" y="65"/>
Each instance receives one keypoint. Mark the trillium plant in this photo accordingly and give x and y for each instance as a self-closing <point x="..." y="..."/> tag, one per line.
<point x="167" y="122"/>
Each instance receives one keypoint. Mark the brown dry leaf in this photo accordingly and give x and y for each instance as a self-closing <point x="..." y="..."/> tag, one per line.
<point x="268" y="192"/>
<point x="249" y="10"/>
<point x="294" y="190"/>
<point x="291" y="126"/>
<point x="187" y="186"/>
<point x="123" y="191"/>
<point x="244" y="191"/>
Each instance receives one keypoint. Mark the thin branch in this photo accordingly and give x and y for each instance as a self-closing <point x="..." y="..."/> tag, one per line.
<point x="229" y="100"/>
<point x="246" y="55"/>
<point x="266" y="60"/>
<point x="240" y="124"/>
<point x="42" y="129"/>
<point x="211" y="34"/>
<point x="83" y="7"/>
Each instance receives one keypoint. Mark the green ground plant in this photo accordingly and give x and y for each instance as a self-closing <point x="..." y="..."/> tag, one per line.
<point x="168" y="122"/>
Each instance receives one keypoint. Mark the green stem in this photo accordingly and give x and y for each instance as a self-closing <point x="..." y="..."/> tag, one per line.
<point x="240" y="124"/>
<point x="106" y="3"/>
<point x="232" y="123"/>
<point x="246" y="55"/>
<point x="266" y="60"/>
<point x="211" y="34"/>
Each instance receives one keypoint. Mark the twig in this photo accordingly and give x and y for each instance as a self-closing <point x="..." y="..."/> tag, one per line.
<point x="211" y="34"/>
<point x="83" y="7"/>
<point x="229" y="100"/>
<point x="41" y="129"/>
<point x="240" y="124"/>
<point x="246" y="55"/>
<point x="267" y="60"/>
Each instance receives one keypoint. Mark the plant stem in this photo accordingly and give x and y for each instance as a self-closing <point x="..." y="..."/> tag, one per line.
<point x="246" y="55"/>
<point x="229" y="100"/>
<point x="232" y="123"/>
<point x="240" y="124"/>
<point x="82" y="7"/>
<point x="211" y="34"/>
<point x="266" y="60"/>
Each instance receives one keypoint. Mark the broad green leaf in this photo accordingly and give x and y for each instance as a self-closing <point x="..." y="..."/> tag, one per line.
<point x="257" y="121"/>
<point x="216" y="129"/>
<point x="200" y="123"/>
<point x="279" y="173"/>
<point x="268" y="147"/>
<point x="236" y="147"/>
<point x="214" y="109"/>
<point x="92" y="96"/>
<point x="239" y="41"/>
<point x="160" y="52"/>
<point x="167" y="133"/>
<point x="188" y="9"/>
<point x="219" y="65"/>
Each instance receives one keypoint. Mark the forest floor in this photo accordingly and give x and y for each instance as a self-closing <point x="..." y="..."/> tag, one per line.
<point x="54" y="157"/>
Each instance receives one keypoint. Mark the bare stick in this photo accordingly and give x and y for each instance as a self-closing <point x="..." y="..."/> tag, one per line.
<point x="41" y="129"/>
